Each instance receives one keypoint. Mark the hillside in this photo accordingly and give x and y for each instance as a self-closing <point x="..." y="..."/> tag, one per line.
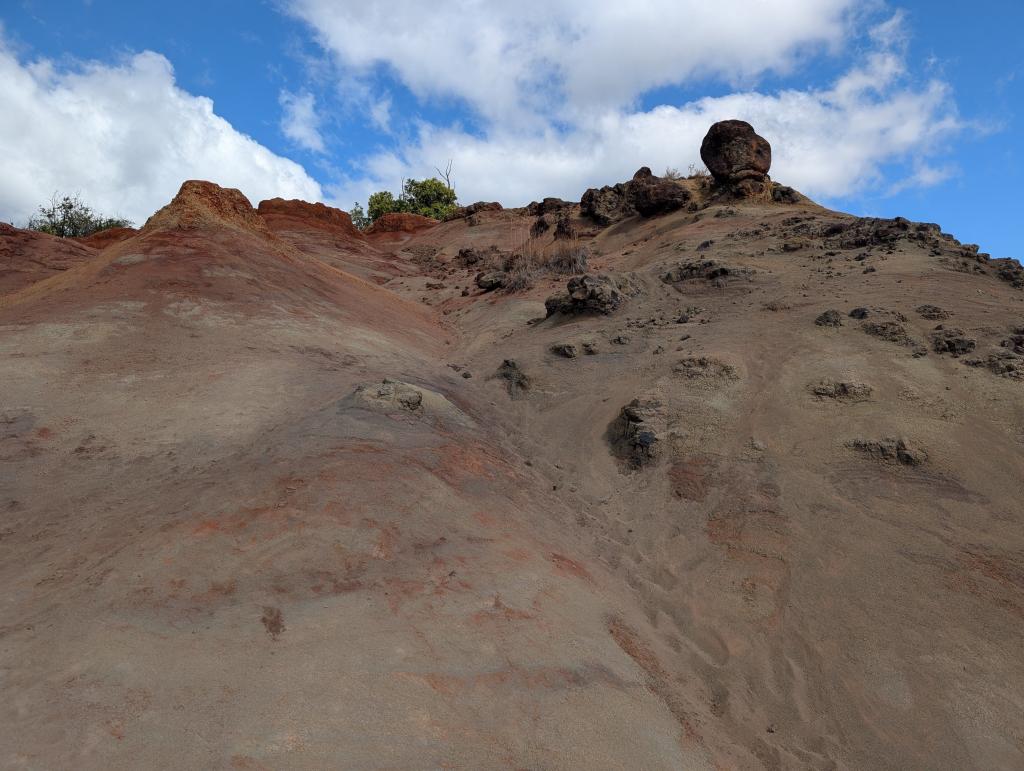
<point x="688" y="474"/>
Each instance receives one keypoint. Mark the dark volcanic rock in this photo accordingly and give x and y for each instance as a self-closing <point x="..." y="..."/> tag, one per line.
<point x="893" y="332"/>
<point x="830" y="318"/>
<point x="733" y="152"/>
<point x="634" y="434"/>
<point x="1009" y="270"/>
<point x="586" y="294"/>
<point x="900" y="451"/>
<point x="704" y="270"/>
<point x="1003" y="363"/>
<point x="547" y="206"/>
<point x="651" y="195"/>
<point x="859" y="313"/>
<point x="644" y="194"/>
<point x="564" y="231"/>
<point x="842" y="391"/>
<point x="568" y="350"/>
<point x="516" y="381"/>
<point x="491" y="280"/>
<point x="952" y="341"/>
<point x="607" y="204"/>
<point x="933" y="312"/>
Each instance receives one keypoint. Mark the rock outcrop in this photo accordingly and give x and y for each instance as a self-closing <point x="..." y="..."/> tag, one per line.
<point x="645" y="194"/>
<point x="200" y="204"/>
<point x="400" y="222"/>
<point x="634" y="434"/>
<point x="281" y="214"/>
<point x="586" y="294"/>
<point x="733" y="152"/>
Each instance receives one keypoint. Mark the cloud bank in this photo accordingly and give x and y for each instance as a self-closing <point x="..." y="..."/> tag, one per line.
<point x="125" y="137"/>
<point x="556" y="87"/>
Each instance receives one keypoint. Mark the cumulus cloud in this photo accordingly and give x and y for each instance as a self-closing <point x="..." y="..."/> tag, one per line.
<point x="124" y="137"/>
<point x="555" y="85"/>
<point x="830" y="142"/>
<point x="300" y="122"/>
<point x="517" y="61"/>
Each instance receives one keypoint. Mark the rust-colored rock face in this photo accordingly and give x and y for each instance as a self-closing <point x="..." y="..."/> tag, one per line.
<point x="294" y="214"/>
<point x="733" y="152"/>
<point x="27" y="256"/>
<point x="105" y="238"/>
<point x="200" y="204"/>
<point x="400" y="222"/>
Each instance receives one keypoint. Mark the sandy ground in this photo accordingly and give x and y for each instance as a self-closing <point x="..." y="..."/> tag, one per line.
<point x="226" y="542"/>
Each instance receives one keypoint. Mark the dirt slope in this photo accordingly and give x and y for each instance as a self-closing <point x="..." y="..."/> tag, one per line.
<point x="279" y="495"/>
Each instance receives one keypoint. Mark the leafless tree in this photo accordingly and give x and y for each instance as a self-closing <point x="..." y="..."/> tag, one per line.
<point x="446" y="175"/>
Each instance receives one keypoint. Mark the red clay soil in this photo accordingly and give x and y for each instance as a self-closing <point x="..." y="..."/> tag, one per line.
<point x="400" y="222"/>
<point x="27" y="256"/>
<point x="105" y="238"/>
<point x="301" y="215"/>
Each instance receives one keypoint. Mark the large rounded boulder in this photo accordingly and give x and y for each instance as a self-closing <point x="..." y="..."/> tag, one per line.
<point x="734" y="152"/>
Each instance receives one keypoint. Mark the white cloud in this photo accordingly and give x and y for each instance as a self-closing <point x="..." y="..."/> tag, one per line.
<point x="513" y="62"/>
<point x="555" y="84"/>
<point x="125" y="137"/>
<point x="300" y="122"/>
<point x="830" y="142"/>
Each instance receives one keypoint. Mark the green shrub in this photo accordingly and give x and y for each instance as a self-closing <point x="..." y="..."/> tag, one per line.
<point x="358" y="216"/>
<point x="68" y="217"/>
<point x="427" y="197"/>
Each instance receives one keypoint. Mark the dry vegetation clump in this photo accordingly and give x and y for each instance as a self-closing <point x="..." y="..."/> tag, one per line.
<point x="529" y="261"/>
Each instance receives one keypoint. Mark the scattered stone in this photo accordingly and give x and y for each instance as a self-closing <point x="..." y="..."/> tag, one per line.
<point x="589" y="348"/>
<point x="704" y="270"/>
<point x="633" y="435"/>
<point x="952" y="341"/>
<point x="491" y="280"/>
<point x="893" y="332"/>
<point x="390" y="394"/>
<point x="471" y="256"/>
<point x="900" y="451"/>
<point x="830" y="318"/>
<point x="516" y="381"/>
<point x="467" y="374"/>
<point x="568" y="350"/>
<point x="859" y="313"/>
<point x="621" y="340"/>
<point x="933" y="312"/>
<point x="586" y="294"/>
<point x="704" y="367"/>
<point x="1003" y="363"/>
<point x="842" y="391"/>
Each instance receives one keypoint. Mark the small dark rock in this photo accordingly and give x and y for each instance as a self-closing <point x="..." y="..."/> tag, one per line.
<point x="901" y="450"/>
<point x="568" y="350"/>
<point x="491" y="280"/>
<point x="933" y="312"/>
<point x="830" y="318"/>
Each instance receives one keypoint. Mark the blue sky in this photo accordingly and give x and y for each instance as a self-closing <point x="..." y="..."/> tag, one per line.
<point x="899" y="108"/>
